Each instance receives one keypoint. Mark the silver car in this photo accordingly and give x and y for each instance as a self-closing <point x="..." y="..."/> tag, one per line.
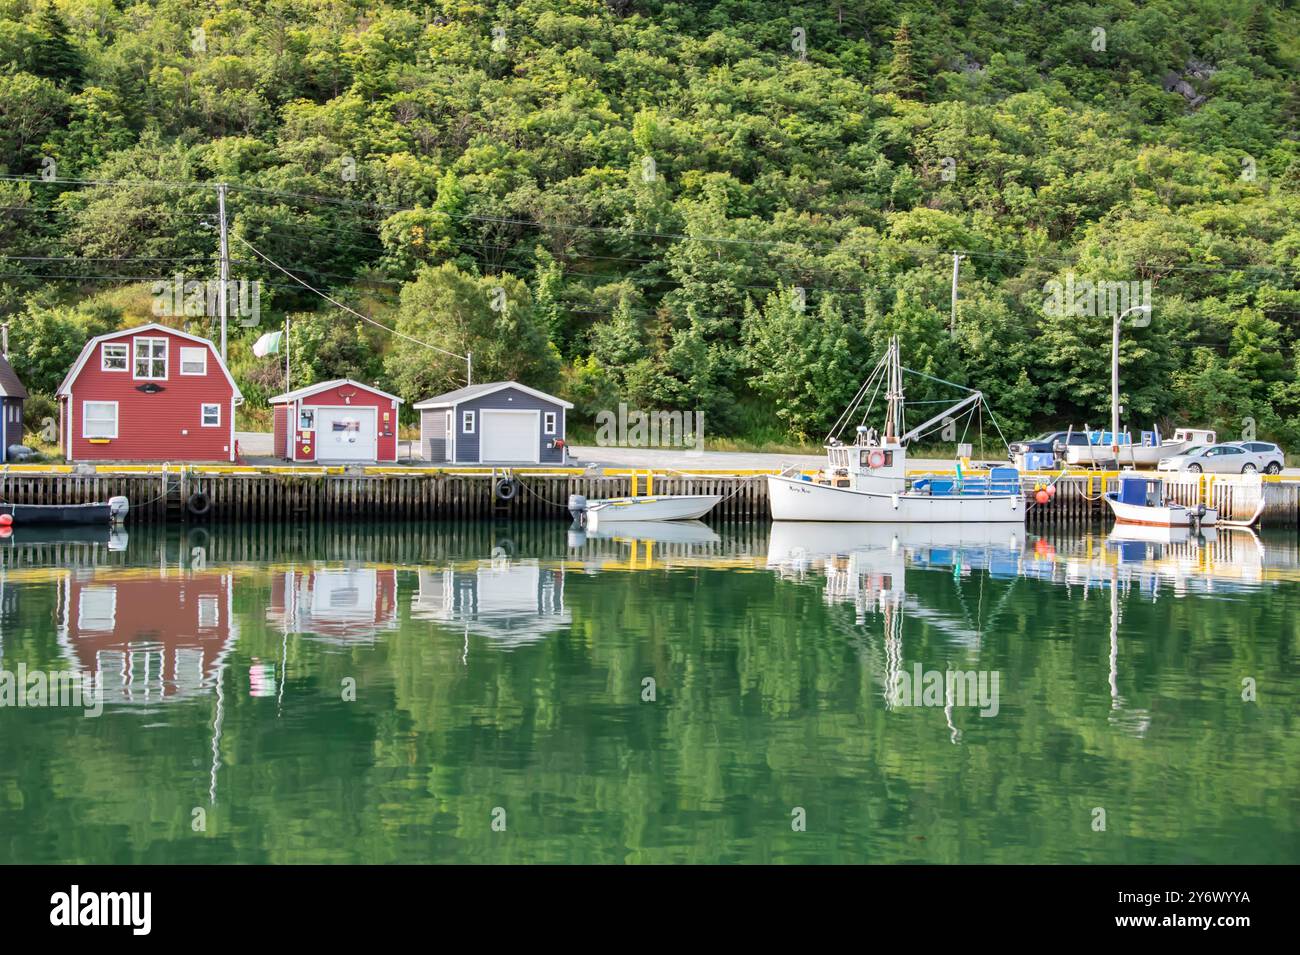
<point x="1234" y="457"/>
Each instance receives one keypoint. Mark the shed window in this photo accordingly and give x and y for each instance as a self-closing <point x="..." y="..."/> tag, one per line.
<point x="97" y="609"/>
<point x="548" y="422"/>
<point x="209" y="612"/>
<point x="211" y="414"/>
<point x="194" y="361"/>
<point x="151" y="358"/>
<point x="113" y="357"/>
<point x="467" y="422"/>
<point x="99" y="419"/>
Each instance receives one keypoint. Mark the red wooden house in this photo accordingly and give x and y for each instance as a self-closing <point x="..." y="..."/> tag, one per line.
<point x="340" y="420"/>
<point x="150" y="393"/>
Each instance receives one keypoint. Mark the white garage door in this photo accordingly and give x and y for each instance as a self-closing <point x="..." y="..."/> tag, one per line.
<point x="347" y="434"/>
<point x="509" y="436"/>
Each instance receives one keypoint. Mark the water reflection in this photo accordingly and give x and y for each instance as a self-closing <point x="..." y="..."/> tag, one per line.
<point x="340" y="605"/>
<point x="146" y="635"/>
<point x="506" y="665"/>
<point x="511" y="602"/>
<point x="155" y="621"/>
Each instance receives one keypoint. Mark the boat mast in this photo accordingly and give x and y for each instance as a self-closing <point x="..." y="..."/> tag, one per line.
<point x="894" y="414"/>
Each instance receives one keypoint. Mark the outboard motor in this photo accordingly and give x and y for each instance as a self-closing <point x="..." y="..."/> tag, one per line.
<point x="117" y="508"/>
<point x="578" y="507"/>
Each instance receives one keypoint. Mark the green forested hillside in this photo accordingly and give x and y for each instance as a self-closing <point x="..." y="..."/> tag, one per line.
<point x="723" y="205"/>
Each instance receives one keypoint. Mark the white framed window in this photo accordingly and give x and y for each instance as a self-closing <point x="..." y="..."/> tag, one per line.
<point x="211" y="415"/>
<point x="97" y="609"/>
<point x="209" y="612"/>
<point x="194" y="361"/>
<point x="114" y="356"/>
<point x="548" y="422"/>
<point x="467" y="422"/>
<point x="99" y="419"/>
<point x="151" y="358"/>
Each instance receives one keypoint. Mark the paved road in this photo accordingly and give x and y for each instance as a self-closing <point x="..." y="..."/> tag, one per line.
<point x="257" y="449"/>
<point x="255" y="446"/>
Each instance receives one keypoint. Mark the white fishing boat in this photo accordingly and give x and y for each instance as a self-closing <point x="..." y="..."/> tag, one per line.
<point x="1141" y="500"/>
<point x="660" y="507"/>
<point x="867" y="481"/>
<point x="1104" y="450"/>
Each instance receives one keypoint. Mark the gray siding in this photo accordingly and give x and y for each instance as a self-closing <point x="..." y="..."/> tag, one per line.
<point x="467" y="444"/>
<point x="433" y="425"/>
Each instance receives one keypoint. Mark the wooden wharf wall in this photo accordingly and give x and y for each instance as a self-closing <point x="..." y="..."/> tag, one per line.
<point x="329" y="494"/>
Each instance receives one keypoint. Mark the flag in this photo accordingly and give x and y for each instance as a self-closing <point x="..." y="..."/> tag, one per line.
<point x="268" y="344"/>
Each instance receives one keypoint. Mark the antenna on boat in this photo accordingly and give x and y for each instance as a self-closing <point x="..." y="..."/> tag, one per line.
<point x="894" y="414"/>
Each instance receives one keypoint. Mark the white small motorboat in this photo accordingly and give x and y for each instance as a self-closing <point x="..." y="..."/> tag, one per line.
<point x="657" y="507"/>
<point x="1141" y="500"/>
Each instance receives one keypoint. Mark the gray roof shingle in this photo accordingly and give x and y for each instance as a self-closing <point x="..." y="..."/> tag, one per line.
<point x="10" y="385"/>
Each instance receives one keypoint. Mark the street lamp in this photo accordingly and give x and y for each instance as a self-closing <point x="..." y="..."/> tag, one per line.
<point x="1114" y="375"/>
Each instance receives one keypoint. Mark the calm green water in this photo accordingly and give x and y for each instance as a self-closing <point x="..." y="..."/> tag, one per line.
<point x="500" y="676"/>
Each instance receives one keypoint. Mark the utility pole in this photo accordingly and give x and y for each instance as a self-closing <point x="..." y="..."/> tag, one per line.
<point x="1114" y="373"/>
<point x="225" y="266"/>
<point x="469" y="368"/>
<point x="4" y="340"/>
<point x="952" y="322"/>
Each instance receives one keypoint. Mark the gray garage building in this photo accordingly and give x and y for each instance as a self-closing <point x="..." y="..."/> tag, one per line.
<point x="501" y="422"/>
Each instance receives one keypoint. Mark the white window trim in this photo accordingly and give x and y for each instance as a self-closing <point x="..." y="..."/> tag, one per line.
<point x="203" y="406"/>
<point x="86" y="417"/>
<point x="468" y="421"/>
<point x="550" y="421"/>
<point x="103" y="357"/>
<point x="166" y="358"/>
<point x="202" y="350"/>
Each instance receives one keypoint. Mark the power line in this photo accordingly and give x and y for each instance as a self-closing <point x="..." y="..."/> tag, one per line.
<point x="467" y="357"/>
<point x="618" y="232"/>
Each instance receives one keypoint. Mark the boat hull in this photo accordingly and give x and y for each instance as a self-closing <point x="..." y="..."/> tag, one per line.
<point x="677" y="507"/>
<point x="1168" y="515"/>
<point x="1129" y="455"/>
<point x="60" y="514"/>
<point x="796" y="500"/>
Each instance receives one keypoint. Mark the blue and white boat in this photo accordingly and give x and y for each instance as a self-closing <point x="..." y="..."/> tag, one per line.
<point x="867" y="481"/>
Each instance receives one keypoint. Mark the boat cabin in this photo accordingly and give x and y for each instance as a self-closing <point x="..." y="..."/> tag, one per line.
<point x="1141" y="492"/>
<point x="1195" y="436"/>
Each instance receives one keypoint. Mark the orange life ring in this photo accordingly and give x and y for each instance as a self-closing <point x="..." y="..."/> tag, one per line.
<point x="877" y="459"/>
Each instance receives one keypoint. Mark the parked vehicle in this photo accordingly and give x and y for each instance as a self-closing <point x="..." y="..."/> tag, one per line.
<point x="1234" y="457"/>
<point x="1045" y="451"/>
<point x="1045" y="443"/>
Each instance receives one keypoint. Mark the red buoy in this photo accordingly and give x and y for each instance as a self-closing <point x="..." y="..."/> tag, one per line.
<point x="1042" y="497"/>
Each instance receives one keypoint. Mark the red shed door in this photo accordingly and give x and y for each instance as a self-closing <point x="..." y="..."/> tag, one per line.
<point x="347" y="434"/>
